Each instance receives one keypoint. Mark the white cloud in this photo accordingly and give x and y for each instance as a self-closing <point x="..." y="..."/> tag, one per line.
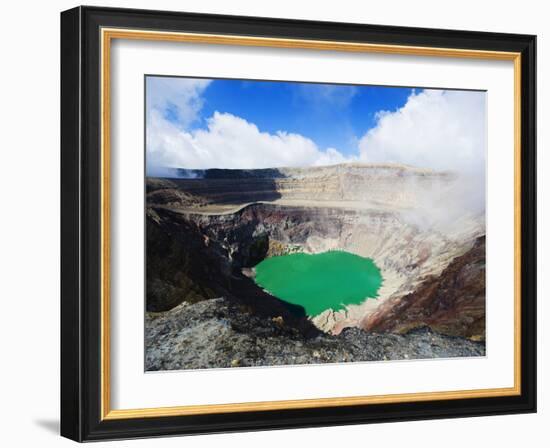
<point x="180" y="96"/>
<point x="229" y="142"/>
<point x="443" y="130"/>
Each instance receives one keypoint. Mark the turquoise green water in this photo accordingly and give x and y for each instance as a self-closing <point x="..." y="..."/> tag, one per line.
<point x="318" y="282"/>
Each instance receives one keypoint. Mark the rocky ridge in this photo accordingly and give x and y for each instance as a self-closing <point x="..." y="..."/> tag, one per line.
<point x="362" y="185"/>
<point x="216" y="333"/>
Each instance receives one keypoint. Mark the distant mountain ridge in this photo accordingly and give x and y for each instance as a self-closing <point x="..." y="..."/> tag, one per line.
<point x="284" y="172"/>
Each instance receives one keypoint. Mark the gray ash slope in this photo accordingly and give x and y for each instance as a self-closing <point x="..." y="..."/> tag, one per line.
<point x="216" y="333"/>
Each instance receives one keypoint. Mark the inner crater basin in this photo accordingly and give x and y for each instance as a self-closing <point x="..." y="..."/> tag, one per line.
<point x="318" y="282"/>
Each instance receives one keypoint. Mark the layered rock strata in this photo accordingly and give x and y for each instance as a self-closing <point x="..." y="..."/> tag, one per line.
<point x="387" y="186"/>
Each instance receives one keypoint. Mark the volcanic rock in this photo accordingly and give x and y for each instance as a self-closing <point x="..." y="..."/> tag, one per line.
<point x="452" y="303"/>
<point x="216" y="333"/>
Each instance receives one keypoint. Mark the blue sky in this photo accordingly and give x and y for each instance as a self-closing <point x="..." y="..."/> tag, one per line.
<point x="203" y="123"/>
<point x="333" y="116"/>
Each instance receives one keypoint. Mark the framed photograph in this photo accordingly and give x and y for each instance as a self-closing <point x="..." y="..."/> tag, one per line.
<point x="274" y="223"/>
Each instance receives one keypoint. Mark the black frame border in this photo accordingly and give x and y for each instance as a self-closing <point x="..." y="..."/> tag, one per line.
<point x="81" y="223"/>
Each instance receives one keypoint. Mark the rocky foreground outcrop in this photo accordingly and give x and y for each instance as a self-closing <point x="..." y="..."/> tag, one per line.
<point x="216" y="333"/>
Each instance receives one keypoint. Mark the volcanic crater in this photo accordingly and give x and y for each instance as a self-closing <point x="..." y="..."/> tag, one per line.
<point x="206" y="230"/>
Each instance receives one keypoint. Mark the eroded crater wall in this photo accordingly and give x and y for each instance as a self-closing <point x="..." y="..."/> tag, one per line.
<point x="229" y="221"/>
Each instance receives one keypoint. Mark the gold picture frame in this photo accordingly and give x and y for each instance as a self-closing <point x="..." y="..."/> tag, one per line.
<point x="108" y="30"/>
